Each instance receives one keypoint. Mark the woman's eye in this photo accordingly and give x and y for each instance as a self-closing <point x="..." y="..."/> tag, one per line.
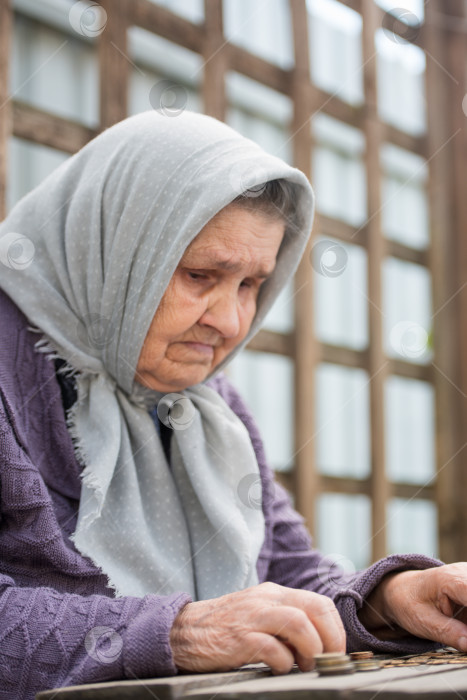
<point x="251" y="283"/>
<point x="196" y="276"/>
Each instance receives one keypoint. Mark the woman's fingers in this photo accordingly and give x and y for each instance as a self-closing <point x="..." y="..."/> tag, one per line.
<point x="292" y="627"/>
<point x="321" y="613"/>
<point x="451" y="580"/>
<point x="271" y="651"/>
<point x="268" y="623"/>
<point x="325" y="617"/>
<point x="446" y="630"/>
<point x="430" y="603"/>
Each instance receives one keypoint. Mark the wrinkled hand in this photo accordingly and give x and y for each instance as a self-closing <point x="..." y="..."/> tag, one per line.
<point x="268" y="623"/>
<point x="430" y="604"/>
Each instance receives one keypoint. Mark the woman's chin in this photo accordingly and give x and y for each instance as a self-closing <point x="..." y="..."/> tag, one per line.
<point x="176" y="383"/>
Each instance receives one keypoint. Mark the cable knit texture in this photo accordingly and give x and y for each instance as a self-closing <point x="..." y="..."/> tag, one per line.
<point x="55" y="604"/>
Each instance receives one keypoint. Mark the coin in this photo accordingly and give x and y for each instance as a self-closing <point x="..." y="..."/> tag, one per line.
<point x="333" y="663"/>
<point x="357" y="655"/>
<point x="337" y="670"/>
<point x="367" y="665"/>
<point x="329" y="655"/>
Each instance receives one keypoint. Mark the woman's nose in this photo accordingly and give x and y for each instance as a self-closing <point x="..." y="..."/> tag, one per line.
<point x="222" y="313"/>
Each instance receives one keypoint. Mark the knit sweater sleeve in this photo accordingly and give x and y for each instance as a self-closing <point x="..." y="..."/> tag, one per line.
<point x="289" y="558"/>
<point x="62" y="634"/>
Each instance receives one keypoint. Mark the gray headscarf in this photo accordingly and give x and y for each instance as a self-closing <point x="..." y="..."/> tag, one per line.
<point x="87" y="256"/>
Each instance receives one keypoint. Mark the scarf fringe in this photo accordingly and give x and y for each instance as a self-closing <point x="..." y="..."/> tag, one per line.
<point x="88" y="479"/>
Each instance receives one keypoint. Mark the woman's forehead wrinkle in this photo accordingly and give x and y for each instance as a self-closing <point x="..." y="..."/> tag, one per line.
<point x="215" y="248"/>
<point x="215" y="258"/>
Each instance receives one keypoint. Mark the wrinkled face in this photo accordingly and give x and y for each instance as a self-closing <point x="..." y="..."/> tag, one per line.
<point x="210" y="302"/>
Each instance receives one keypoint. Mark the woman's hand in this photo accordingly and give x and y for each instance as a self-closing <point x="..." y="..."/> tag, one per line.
<point x="428" y="604"/>
<point x="268" y="623"/>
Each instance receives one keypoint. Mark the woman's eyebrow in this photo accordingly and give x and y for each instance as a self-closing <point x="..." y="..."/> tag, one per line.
<point x="212" y="262"/>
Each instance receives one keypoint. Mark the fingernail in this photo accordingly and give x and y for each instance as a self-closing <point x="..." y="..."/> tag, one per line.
<point x="463" y="644"/>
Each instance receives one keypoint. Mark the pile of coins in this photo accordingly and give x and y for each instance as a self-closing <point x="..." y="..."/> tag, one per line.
<point x="336" y="663"/>
<point x="364" y="661"/>
<point x="431" y="658"/>
<point x="333" y="663"/>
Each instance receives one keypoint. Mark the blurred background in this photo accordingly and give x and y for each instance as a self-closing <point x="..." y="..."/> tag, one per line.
<point x="357" y="380"/>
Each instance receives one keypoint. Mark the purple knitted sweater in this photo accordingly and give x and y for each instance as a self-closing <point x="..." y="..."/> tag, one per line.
<point x="52" y="599"/>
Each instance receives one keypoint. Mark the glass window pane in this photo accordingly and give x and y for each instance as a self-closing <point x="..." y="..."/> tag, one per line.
<point x="260" y="113"/>
<point x="281" y="316"/>
<point x="401" y="83"/>
<point x="335" y="49"/>
<point x="145" y="87"/>
<point x="340" y="293"/>
<point x="29" y="164"/>
<point x="261" y="28"/>
<point x="405" y="9"/>
<point x="54" y="72"/>
<point x="157" y="62"/>
<point x="410" y="430"/>
<point x="344" y="529"/>
<point x="266" y="383"/>
<point x="407" y="311"/>
<point x="192" y="10"/>
<point x="412" y="527"/>
<point x="338" y="171"/>
<point x="404" y="209"/>
<point x="342" y="421"/>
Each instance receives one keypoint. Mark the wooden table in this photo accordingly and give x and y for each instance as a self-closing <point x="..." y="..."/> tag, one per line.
<point x="256" y="683"/>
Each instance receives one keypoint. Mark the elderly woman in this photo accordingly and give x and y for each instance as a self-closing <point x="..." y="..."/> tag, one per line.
<point x="127" y="545"/>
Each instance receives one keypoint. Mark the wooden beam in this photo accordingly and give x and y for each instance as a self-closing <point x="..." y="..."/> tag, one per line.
<point x="456" y="47"/>
<point x="286" y="480"/>
<point x="414" y="491"/>
<point x="257" y="68"/>
<point x="161" y="21"/>
<point x="307" y="484"/>
<point x="326" y="103"/>
<point x="5" y="103"/>
<point x="377" y="365"/>
<point x="47" y="129"/>
<point x="269" y="341"/>
<point x="409" y="142"/>
<point x="410" y="370"/>
<point x="215" y="61"/>
<point x="326" y="226"/>
<point x="355" y="5"/>
<point x="442" y="265"/>
<point x="348" y="485"/>
<point x="338" y="355"/>
<point x="348" y="357"/>
<point x="114" y="63"/>
<point x="403" y="252"/>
